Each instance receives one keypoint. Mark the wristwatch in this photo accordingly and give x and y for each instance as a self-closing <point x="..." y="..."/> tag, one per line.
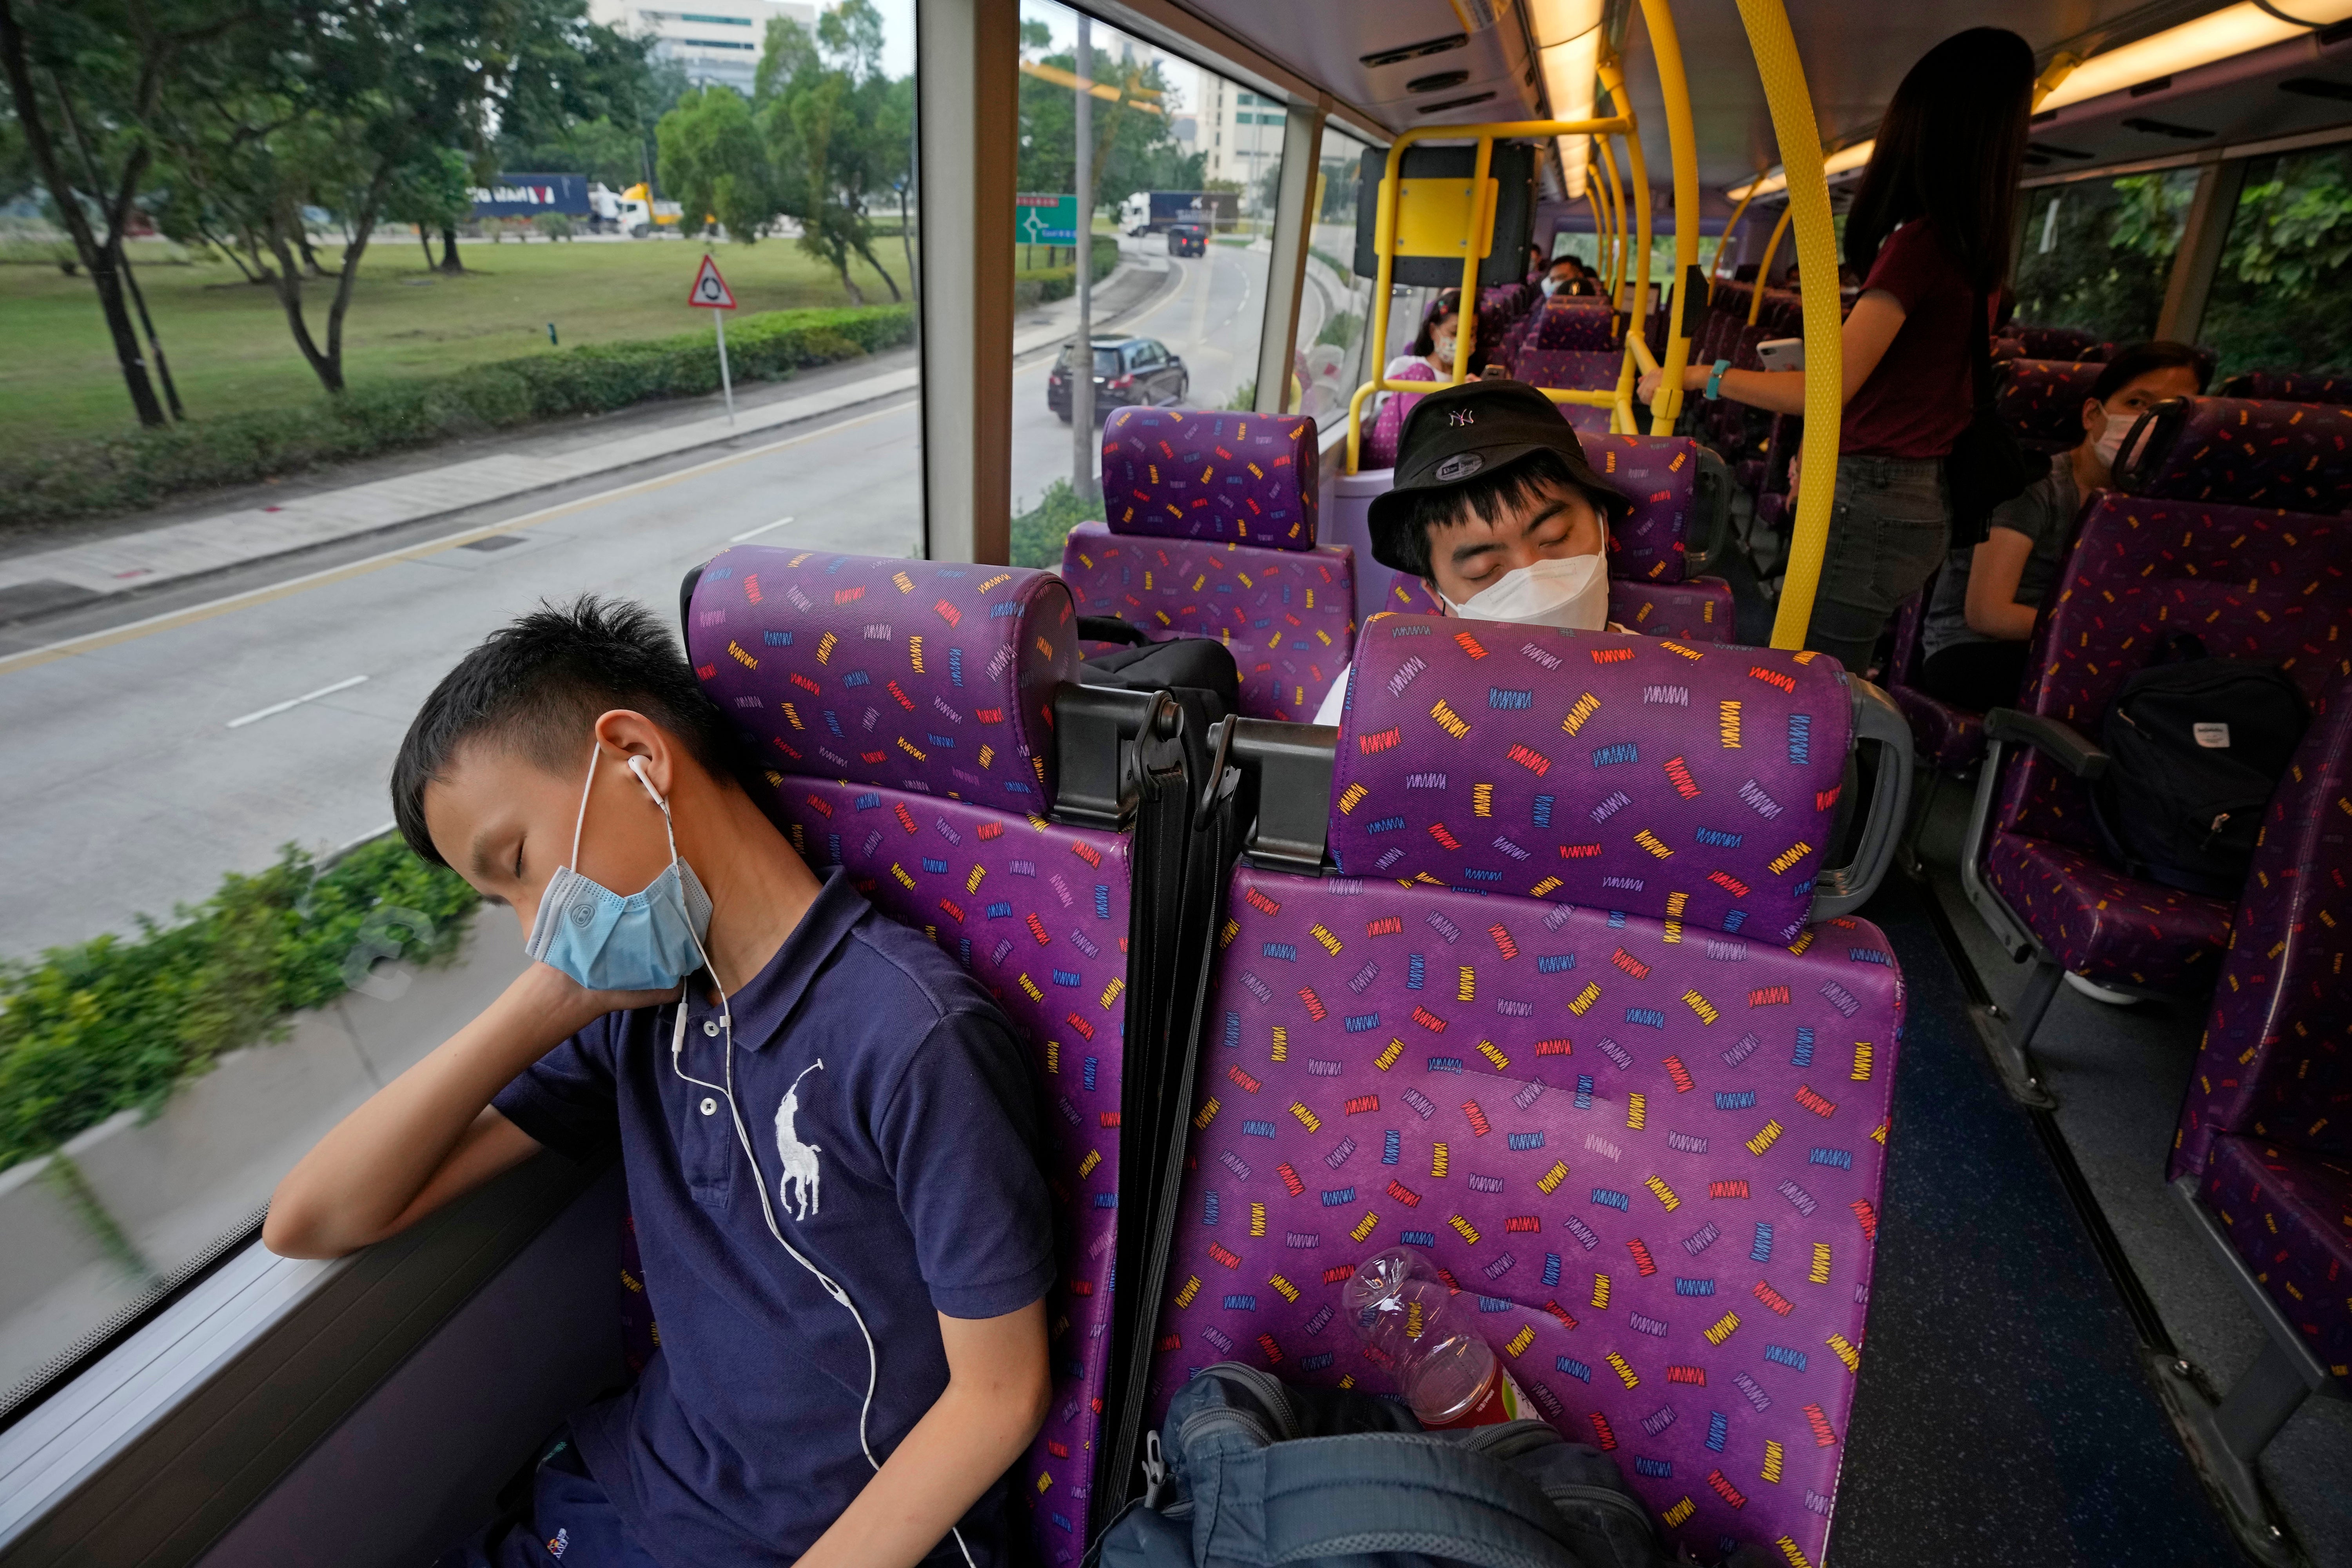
<point x="1715" y="382"/>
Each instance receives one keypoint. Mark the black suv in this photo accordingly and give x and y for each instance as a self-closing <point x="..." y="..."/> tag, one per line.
<point x="1128" y="371"/>
<point x="1188" y="239"/>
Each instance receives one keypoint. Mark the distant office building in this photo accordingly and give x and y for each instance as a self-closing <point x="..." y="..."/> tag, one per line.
<point x="1241" y="131"/>
<point x="718" y="42"/>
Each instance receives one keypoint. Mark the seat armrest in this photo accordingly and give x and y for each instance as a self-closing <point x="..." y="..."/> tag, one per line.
<point x="2053" y="737"/>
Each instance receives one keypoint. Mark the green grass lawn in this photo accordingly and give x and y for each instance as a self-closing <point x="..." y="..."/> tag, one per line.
<point x="231" y="350"/>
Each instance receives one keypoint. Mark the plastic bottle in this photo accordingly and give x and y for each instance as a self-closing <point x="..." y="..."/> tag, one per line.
<point x="1405" y="1313"/>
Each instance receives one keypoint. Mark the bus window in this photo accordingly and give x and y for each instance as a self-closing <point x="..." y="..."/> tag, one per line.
<point x="2283" y="299"/>
<point x="2097" y="253"/>
<point x="1184" y="166"/>
<point x="1335" y="308"/>
<point x="210" y="962"/>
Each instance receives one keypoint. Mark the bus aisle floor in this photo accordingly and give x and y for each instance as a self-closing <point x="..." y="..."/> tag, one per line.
<point x="2002" y="1414"/>
<point x="2118" y="1074"/>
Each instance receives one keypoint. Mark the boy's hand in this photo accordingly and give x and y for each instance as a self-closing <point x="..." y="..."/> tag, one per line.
<point x="561" y="1006"/>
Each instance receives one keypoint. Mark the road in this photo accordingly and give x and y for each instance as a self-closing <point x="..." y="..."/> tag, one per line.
<point x="140" y="769"/>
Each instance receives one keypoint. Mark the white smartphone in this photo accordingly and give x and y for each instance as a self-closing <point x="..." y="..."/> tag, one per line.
<point x="1782" y="353"/>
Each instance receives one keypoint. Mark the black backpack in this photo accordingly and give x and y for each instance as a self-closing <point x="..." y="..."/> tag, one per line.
<point x="2195" y="745"/>
<point x="1198" y="672"/>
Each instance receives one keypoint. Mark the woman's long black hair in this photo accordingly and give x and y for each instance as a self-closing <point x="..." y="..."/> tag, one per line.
<point x="1949" y="151"/>
<point x="1449" y="303"/>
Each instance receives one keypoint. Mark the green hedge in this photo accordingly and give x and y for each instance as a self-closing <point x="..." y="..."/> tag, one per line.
<point x="1040" y="285"/>
<point x="113" y="1024"/>
<point x="1037" y="533"/>
<point x="122" y="473"/>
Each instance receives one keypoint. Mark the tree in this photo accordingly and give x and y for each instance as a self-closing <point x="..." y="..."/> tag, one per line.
<point x="435" y="191"/>
<point x="714" y="162"/>
<point x="839" y="134"/>
<point x="82" y="79"/>
<point x="1133" y="148"/>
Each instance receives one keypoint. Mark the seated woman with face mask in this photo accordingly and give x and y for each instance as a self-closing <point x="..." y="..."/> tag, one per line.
<point x="1497" y="511"/>
<point x="1985" y="602"/>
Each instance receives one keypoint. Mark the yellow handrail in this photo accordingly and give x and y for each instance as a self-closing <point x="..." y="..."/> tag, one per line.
<point x="1798" y="134"/>
<point x="1616" y="226"/>
<point x="1723" y="245"/>
<point x="1682" y="146"/>
<point x="1764" y="268"/>
<point x="1385" y="242"/>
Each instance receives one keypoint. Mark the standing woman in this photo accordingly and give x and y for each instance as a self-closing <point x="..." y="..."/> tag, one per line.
<point x="1930" y="233"/>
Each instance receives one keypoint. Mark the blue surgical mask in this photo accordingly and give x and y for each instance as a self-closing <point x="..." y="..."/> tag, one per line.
<point x="648" y="940"/>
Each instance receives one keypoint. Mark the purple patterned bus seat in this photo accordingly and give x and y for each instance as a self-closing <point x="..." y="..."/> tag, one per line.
<point x="2041" y="401"/>
<point x="2271" y="1066"/>
<point x="2285" y="1209"/>
<point x="2289" y="387"/>
<point x="2254" y="584"/>
<point x="1649" y="1152"/>
<point x="907" y="709"/>
<point x="2053" y="342"/>
<point x="1289" y="617"/>
<point x="1505" y="758"/>
<point x="2296" y="455"/>
<point x="1380" y="444"/>
<point x="1221" y="478"/>
<point x="1951" y="739"/>
<point x="1660" y="475"/>
<point x="1576" y="321"/>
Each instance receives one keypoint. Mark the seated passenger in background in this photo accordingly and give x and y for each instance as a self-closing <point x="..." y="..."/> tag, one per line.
<point x="1984" y="603"/>
<point x="845" y="1237"/>
<point x="1432" y="349"/>
<point x="1495" y="510"/>
<point x="1569" y="276"/>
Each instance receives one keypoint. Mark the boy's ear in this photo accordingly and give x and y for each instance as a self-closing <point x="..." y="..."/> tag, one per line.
<point x="632" y="735"/>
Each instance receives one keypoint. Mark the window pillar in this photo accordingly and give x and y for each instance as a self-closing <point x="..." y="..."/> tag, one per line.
<point x="2198" y="258"/>
<point x="967" y="77"/>
<point x="1285" y="268"/>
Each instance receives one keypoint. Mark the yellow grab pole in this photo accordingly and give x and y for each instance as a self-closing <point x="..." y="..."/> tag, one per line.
<point x="1764" y="268"/>
<point x="1794" y="127"/>
<point x="1599" y="229"/>
<point x="1723" y="247"/>
<point x="1616" y="226"/>
<point x="1681" y="148"/>
<point x="1481" y="223"/>
<point x="1637" y="175"/>
<point x="1384" y="231"/>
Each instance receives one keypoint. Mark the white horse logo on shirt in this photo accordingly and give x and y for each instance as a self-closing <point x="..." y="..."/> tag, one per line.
<point x="798" y="1159"/>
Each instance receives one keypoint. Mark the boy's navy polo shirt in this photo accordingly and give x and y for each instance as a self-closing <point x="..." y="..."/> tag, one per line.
<point x="902" y="1167"/>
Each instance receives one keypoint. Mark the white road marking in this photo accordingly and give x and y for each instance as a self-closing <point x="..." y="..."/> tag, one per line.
<point x="763" y="528"/>
<point x="276" y="708"/>
<point x="90" y="642"/>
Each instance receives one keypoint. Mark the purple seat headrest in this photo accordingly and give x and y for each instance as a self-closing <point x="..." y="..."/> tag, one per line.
<point x="2296" y="456"/>
<point x="1696" y="784"/>
<point x="2042" y="399"/>
<point x="1577" y="321"/>
<point x="1660" y="475"/>
<point x="928" y="676"/>
<point x="1190" y="473"/>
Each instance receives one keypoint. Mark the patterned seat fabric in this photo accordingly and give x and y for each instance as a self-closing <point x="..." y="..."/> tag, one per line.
<point x="1525" y="794"/>
<point x="907" y="708"/>
<point x="2103" y="924"/>
<point x="1289" y="617"/>
<point x="1576" y="321"/>
<point x="2271" y="1066"/>
<point x="2296" y="455"/>
<point x="2289" y="1214"/>
<point x="2041" y="401"/>
<point x="1571" y="370"/>
<point x="1380" y="445"/>
<point x="1227" y="479"/>
<point x="2289" y="387"/>
<point x="1949" y="738"/>
<point x="2053" y="342"/>
<point x="1649" y="1152"/>
<point x="2254" y="584"/>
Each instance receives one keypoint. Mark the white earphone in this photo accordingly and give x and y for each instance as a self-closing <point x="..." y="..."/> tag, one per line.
<point x="637" y="766"/>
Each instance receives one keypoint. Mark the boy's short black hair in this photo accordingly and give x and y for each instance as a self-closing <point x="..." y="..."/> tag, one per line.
<point x="1489" y="495"/>
<point x="537" y="686"/>
<point x="2146" y="359"/>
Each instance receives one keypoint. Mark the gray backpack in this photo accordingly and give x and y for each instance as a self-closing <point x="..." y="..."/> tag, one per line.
<point x="1250" y="1472"/>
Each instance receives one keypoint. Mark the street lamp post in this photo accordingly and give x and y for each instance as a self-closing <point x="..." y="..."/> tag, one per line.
<point x="1082" y="355"/>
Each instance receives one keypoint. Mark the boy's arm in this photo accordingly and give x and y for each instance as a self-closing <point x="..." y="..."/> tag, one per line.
<point x="430" y="1134"/>
<point x="996" y="1398"/>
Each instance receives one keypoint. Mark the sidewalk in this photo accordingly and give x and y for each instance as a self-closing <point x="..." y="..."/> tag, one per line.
<point x="80" y="574"/>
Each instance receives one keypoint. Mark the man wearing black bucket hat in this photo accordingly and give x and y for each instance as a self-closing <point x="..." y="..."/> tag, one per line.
<point x="1497" y="510"/>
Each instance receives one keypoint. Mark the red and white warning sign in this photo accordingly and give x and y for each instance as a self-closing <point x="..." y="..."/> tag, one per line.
<point x="710" y="291"/>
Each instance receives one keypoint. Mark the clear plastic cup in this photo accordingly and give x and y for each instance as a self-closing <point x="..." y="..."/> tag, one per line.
<point x="1403" y="1312"/>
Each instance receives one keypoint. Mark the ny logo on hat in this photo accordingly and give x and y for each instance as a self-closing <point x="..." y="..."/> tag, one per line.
<point x="1462" y="417"/>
